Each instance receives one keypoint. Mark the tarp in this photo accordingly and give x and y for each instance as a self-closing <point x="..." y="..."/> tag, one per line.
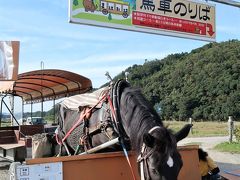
<point x="47" y="84"/>
<point x="87" y="99"/>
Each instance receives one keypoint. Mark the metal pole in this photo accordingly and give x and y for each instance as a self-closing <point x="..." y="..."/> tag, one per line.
<point x="11" y="113"/>
<point x="102" y="146"/>
<point x="54" y="111"/>
<point x="31" y="108"/>
<point x="2" y="109"/>
<point x="42" y="108"/>
<point x="1" y="113"/>
<point x="42" y="68"/>
<point x="22" y="109"/>
<point x="12" y="108"/>
<point x="228" y="2"/>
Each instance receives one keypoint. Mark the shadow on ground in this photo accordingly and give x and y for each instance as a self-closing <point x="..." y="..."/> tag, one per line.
<point x="227" y="166"/>
<point x="226" y="170"/>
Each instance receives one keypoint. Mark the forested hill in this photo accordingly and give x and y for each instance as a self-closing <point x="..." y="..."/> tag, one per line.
<point x="203" y="84"/>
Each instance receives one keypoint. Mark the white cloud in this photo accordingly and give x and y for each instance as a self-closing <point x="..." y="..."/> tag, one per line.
<point x="95" y="66"/>
<point x="124" y="56"/>
<point x="97" y="74"/>
<point x="113" y="58"/>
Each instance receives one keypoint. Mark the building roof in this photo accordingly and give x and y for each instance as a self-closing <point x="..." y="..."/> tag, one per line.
<point x="47" y="84"/>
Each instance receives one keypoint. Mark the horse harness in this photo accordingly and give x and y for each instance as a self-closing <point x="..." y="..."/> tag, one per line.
<point x="110" y="102"/>
<point x="103" y="125"/>
<point x="110" y="109"/>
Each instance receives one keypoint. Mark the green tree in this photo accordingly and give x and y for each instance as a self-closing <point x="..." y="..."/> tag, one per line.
<point x="203" y="84"/>
<point x="75" y="2"/>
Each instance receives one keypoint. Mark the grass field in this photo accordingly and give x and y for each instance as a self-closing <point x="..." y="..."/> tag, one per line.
<point x="206" y="129"/>
<point x="233" y="147"/>
<point x="202" y="129"/>
<point x="4" y="124"/>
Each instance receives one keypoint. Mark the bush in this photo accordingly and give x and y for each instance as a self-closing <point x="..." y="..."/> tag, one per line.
<point x="237" y="133"/>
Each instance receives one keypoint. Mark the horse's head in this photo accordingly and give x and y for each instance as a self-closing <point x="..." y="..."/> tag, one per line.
<point x="159" y="157"/>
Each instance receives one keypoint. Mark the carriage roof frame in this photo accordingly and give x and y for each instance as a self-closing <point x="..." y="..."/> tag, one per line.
<point x="44" y="85"/>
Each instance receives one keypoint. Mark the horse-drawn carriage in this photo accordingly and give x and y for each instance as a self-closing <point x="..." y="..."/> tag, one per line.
<point x="118" y="113"/>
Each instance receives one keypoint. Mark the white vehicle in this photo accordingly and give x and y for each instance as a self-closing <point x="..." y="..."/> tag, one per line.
<point x="35" y="120"/>
<point x="20" y="121"/>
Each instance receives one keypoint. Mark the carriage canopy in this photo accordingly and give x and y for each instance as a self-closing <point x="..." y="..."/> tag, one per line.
<point x="47" y="84"/>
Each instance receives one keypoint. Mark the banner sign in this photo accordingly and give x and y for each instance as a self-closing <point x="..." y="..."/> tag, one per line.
<point x="181" y="18"/>
<point x="9" y="56"/>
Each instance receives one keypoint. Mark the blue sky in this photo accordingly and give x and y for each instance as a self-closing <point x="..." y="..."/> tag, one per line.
<point x="45" y="34"/>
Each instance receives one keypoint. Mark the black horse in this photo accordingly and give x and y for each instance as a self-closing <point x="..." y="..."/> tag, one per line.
<point x="137" y="123"/>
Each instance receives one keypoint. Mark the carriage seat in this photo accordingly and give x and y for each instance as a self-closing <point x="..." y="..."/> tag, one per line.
<point x="83" y="100"/>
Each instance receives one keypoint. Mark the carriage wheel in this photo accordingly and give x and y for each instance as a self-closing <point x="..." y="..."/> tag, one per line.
<point x="105" y="11"/>
<point x="125" y="15"/>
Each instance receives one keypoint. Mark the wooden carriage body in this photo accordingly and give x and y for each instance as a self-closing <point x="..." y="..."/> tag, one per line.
<point x="108" y="166"/>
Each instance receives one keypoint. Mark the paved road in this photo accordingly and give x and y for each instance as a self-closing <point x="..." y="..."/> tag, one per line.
<point x="225" y="161"/>
<point x="4" y="166"/>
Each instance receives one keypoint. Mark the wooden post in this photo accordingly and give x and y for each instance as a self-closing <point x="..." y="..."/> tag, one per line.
<point x="190" y="122"/>
<point x="230" y="128"/>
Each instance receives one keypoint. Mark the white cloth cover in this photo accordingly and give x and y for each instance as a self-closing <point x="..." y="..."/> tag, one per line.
<point x="87" y="99"/>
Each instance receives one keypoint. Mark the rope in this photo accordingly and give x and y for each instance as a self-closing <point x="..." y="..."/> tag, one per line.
<point x="127" y="157"/>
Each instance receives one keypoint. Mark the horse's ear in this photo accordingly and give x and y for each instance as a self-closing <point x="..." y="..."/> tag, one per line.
<point x="182" y="133"/>
<point x="148" y="139"/>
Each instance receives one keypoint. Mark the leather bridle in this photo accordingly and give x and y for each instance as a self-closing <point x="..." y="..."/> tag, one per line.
<point x="143" y="159"/>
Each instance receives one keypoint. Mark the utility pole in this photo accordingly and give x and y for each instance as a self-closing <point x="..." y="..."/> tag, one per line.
<point x="42" y="68"/>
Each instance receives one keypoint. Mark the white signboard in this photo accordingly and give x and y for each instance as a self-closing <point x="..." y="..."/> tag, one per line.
<point x="182" y="18"/>
<point x="46" y="171"/>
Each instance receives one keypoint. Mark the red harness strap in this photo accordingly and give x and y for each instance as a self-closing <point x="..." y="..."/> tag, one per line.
<point x="79" y="121"/>
<point x="112" y="109"/>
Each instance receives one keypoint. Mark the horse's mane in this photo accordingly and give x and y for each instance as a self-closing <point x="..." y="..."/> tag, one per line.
<point x="139" y="115"/>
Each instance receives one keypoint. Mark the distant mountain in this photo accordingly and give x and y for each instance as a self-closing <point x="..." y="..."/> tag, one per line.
<point x="203" y="84"/>
<point x="5" y="115"/>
